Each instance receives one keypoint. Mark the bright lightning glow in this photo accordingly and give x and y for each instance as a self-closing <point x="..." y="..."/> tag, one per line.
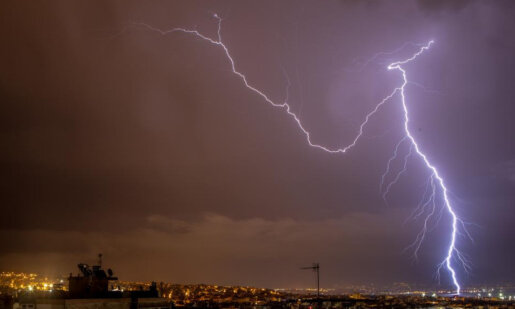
<point x="451" y="251"/>
<point x="435" y="178"/>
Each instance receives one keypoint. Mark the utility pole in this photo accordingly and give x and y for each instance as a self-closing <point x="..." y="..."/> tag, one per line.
<point x="316" y="267"/>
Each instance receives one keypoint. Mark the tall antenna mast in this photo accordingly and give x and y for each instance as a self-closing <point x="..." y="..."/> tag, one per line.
<point x="316" y="267"/>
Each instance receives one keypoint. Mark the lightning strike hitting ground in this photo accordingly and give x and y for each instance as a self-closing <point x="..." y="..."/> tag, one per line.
<point x="452" y="250"/>
<point x="435" y="179"/>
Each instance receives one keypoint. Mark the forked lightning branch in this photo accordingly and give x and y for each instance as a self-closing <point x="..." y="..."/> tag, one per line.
<point x="428" y="205"/>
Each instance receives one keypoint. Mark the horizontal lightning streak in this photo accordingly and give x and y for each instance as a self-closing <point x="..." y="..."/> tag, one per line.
<point x="363" y="64"/>
<point x="283" y="105"/>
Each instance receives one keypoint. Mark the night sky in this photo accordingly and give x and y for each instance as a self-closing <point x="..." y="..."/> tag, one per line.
<point x="147" y="148"/>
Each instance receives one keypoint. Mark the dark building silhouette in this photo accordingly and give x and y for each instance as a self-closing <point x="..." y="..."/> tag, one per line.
<point x="92" y="282"/>
<point x="90" y="290"/>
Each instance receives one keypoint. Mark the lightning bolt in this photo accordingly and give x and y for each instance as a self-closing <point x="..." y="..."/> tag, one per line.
<point x="392" y="158"/>
<point x="361" y="64"/>
<point x="283" y="105"/>
<point x="452" y="251"/>
<point x="399" y="174"/>
<point x="423" y="232"/>
<point x="435" y="178"/>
